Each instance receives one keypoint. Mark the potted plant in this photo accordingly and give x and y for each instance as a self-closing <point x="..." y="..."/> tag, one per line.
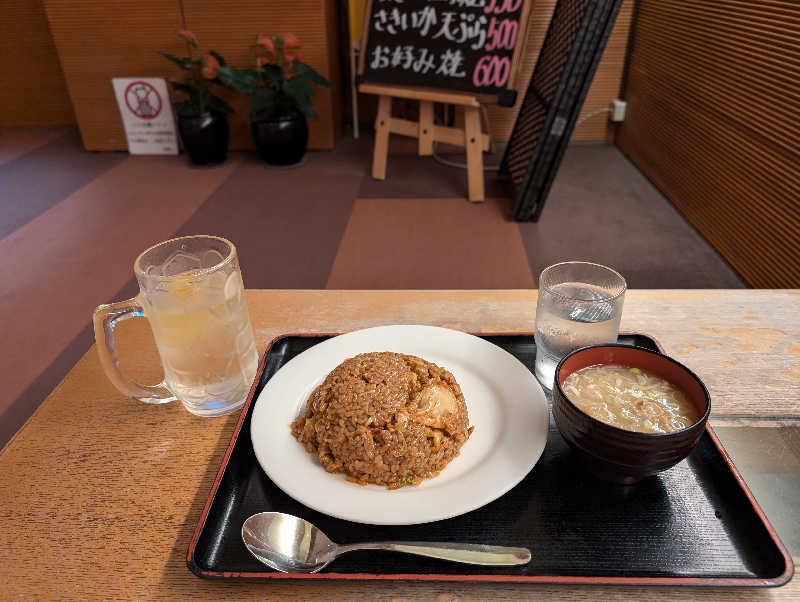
<point x="202" y="120"/>
<point x="280" y="88"/>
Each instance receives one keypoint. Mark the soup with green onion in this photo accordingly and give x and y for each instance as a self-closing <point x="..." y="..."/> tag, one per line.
<point x="630" y="398"/>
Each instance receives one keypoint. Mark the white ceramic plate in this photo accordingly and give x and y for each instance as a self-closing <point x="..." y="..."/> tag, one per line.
<point x="506" y="406"/>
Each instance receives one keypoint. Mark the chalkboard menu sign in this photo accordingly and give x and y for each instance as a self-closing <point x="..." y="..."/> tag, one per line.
<point x="457" y="45"/>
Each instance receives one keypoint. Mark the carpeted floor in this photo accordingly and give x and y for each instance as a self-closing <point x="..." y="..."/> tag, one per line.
<point x="72" y="222"/>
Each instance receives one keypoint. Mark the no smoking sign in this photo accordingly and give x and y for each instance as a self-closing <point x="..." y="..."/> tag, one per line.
<point x="143" y="105"/>
<point x="143" y="100"/>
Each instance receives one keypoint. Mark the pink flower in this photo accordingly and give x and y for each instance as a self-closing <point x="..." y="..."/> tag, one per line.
<point x="291" y="41"/>
<point x="210" y="66"/>
<point x="290" y="56"/>
<point x="267" y="43"/>
<point x="190" y="38"/>
<point x="263" y="60"/>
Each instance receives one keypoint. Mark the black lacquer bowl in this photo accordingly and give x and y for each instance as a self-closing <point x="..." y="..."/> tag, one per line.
<point x="614" y="454"/>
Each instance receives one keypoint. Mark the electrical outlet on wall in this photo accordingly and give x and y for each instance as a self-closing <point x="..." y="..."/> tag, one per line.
<point x="618" y="110"/>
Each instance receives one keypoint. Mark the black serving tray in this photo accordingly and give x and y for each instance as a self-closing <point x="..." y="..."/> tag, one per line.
<point x="695" y="524"/>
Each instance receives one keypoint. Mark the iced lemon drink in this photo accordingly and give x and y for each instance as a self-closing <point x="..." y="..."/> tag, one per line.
<point x="203" y="333"/>
<point x="191" y="290"/>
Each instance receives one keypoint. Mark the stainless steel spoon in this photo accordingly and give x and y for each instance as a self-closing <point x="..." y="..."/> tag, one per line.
<point x="292" y="545"/>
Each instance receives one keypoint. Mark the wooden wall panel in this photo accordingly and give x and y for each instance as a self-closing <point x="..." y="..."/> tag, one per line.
<point x="232" y="29"/>
<point x="101" y="39"/>
<point x="607" y="83"/>
<point x="713" y="92"/>
<point x="604" y="89"/>
<point x="32" y="87"/>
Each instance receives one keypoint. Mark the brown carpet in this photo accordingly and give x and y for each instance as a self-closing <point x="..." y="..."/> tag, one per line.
<point x="429" y="243"/>
<point x="286" y="223"/>
<point x="72" y="222"/>
<point x="37" y="180"/>
<point x="18" y="141"/>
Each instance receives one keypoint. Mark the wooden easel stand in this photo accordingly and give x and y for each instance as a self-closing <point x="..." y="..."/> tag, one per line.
<point x="470" y="137"/>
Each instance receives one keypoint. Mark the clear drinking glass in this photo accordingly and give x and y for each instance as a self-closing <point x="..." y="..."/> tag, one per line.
<point x="191" y="290"/>
<point x="579" y="304"/>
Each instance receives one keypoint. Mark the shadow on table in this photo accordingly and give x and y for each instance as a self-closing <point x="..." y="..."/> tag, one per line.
<point x="177" y="559"/>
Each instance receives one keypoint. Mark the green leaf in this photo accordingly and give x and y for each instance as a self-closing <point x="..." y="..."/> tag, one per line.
<point x="183" y="63"/>
<point x="184" y="108"/>
<point x="298" y="92"/>
<point x="298" y="88"/>
<point x="181" y="87"/>
<point x="274" y="73"/>
<point x="308" y="71"/>
<point x="219" y="105"/>
<point x="306" y="107"/>
<point x="262" y="103"/>
<point x="309" y="110"/>
<point x="218" y="56"/>
<point x="242" y="80"/>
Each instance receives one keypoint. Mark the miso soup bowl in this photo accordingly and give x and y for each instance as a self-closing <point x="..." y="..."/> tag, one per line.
<point x="615" y="454"/>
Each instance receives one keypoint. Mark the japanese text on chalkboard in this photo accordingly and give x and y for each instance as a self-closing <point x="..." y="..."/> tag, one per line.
<point x="470" y="42"/>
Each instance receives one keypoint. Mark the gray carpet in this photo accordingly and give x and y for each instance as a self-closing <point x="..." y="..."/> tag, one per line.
<point x="601" y="208"/>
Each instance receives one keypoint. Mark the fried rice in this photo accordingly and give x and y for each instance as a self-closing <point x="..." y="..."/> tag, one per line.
<point x="385" y="418"/>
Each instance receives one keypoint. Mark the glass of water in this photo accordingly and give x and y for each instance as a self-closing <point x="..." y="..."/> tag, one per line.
<point x="579" y="304"/>
<point x="191" y="290"/>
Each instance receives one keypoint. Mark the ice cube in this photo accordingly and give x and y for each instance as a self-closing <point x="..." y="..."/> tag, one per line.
<point x="215" y="284"/>
<point x="211" y="258"/>
<point x="180" y="262"/>
<point x="244" y="342"/>
<point x="233" y="287"/>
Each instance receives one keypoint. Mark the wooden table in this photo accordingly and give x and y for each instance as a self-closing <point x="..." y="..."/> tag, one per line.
<point x="99" y="495"/>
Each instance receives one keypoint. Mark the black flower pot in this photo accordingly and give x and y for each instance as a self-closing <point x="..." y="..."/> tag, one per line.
<point x="205" y="137"/>
<point x="281" y="141"/>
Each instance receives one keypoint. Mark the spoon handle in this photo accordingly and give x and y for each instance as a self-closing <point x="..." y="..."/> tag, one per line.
<point x="467" y="553"/>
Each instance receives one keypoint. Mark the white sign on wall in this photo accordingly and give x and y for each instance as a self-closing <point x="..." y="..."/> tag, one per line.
<point x="147" y="116"/>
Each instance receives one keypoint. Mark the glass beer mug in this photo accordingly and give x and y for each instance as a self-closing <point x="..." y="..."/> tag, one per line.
<point x="191" y="291"/>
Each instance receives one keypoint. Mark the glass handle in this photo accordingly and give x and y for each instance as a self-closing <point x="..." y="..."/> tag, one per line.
<point x="106" y="317"/>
